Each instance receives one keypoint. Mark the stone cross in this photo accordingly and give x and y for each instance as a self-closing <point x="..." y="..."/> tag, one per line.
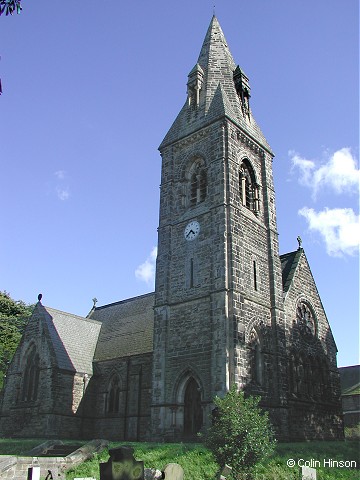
<point x="307" y="473"/>
<point x="122" y="465"/>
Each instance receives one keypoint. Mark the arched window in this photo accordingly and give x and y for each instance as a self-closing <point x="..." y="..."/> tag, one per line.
<point x="198" y="183"/>
<point x="249" y="190"/>
<point x="113" y="395"/>
<point x="31" y="376"/>
<point x="305" y="319"/>
<point x="256" y="358"/>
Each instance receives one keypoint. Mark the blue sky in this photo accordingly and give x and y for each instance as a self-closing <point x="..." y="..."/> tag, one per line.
<point x="90" y="90"/>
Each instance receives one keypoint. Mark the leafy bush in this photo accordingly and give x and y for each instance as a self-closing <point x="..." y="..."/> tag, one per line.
<point x="352" y="433"/>
<point x="241" y="435"/>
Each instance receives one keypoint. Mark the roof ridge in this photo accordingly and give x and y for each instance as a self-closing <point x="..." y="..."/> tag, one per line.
<point x="125" y="300"/>
<point x="68" y="314"/>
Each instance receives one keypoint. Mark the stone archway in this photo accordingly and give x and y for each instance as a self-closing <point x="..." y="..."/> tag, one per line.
<point x="193" y="415"/>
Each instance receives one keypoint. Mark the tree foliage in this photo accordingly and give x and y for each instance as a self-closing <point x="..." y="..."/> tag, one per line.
<point x="10" y="6"/>
<point x="241" y="435"/>
<point x="14" y="315"/>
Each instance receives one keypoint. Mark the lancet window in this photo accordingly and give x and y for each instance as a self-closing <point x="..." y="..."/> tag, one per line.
<point x="256" y="358"/>
<point x="198" y="183"/>
<point x="31" y="376"/>
<point x="249" y="190"/>
<point x="113" y="395"/>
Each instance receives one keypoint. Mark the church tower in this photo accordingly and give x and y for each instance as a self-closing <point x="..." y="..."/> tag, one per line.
<point x="219" y="314"/>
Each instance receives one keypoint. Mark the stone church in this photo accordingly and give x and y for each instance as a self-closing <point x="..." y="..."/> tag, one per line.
<point x="227" y="308"/>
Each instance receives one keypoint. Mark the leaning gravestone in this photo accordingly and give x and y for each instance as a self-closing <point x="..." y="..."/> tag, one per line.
<point x="122" y="465"/>
<point x="173" y="471"/>
<point x="307" y="473"/>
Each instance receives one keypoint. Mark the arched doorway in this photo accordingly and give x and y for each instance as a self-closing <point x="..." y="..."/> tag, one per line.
<point x="193" y="415"/>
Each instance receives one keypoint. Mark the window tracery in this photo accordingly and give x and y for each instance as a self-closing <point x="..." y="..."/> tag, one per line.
<point x="249" y="190"/>
<point x="305" y="319"/>
<point x="309" y="376"/>
<point x="198" y="183"/>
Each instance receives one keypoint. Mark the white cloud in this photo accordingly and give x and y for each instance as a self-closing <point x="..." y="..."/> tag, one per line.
<point x="339" y="227"/>
<point x="146" y="271"/>
<point x="60" y="174"/>
<point x="340" y="172"/>
<point x="306" y="168"/>
<point x="63" y="194"/>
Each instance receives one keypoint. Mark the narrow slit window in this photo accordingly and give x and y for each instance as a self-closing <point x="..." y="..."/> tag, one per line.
<point x="255" y="276"/>
<point x="191" y="273"/>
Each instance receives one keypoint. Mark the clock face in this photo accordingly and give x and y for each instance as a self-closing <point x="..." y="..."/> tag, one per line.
<point x="192" y="230"/>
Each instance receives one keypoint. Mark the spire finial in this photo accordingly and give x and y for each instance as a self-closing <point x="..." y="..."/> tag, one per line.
<point x="40" y="297"/>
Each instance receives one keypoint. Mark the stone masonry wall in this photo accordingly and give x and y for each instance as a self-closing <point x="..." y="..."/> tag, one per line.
<point x="130" y="421"/>
<point x="315" y="407"/>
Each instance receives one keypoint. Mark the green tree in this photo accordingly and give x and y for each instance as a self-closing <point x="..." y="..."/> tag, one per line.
<point x="14" y="315"/>
<point x="241" y="435"/>
<point x="9" y="6"/>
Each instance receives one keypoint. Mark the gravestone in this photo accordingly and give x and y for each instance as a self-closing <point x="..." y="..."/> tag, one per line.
<point x="122" y="465"/>
<point x="307" y="473"/>
<point x="173" y="471"/>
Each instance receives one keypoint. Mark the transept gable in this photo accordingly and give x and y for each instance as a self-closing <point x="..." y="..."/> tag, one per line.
<point x="65" y="333"/>
<point x="302" y="300"/>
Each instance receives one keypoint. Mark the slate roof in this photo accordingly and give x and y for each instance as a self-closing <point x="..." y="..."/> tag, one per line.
<point x="350" y="380"/>
<point x="127" y="327"/>
<point x="289" y="262"/>
<point x="73" y="338"/>
<point x="218" y="97"/>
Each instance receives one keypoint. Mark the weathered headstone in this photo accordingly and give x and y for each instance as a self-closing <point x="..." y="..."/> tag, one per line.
<point x="173" y="471"/>
<point x="122" y="465"/>
<point x="307" y="473"/>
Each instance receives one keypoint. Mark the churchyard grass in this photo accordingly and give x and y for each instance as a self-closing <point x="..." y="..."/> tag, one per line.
<point x="12" y="446"/>
<point x="198" y="463"/>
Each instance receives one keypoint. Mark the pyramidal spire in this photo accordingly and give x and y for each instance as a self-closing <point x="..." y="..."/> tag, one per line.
<point x="216" y="88"/>
<point x="215" y="45"/>
<point x="217" y="62"/>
